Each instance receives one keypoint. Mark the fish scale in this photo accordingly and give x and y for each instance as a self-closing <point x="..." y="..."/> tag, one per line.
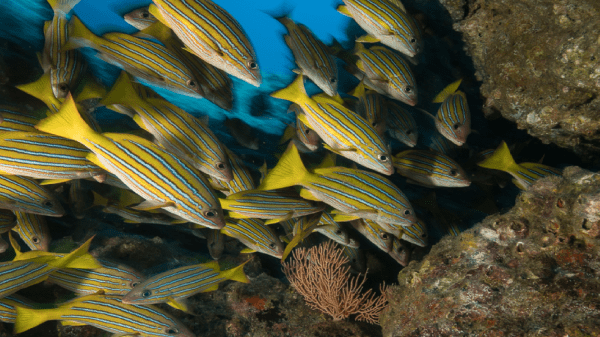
<point x="430" y="169"/>
<point x="33" y="230"/>
<point x="26" y="195"/>
<point x="454" y="119"/>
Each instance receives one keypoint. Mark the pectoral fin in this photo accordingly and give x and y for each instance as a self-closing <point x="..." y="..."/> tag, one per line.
<point x="368" y="39"/>
<point x="149" y="205"/>
<point x="344" y="10"/>
<point x="179" y="304"/>
<point x="247" y="251"/>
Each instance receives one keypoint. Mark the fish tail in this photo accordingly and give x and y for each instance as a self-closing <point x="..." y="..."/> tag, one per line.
<point x="64" y="6"/>
<point x="236" y="274"/>
<point x="359" y="91"/>
<point x="447" y="91"/>
<point x="501" y="160"/>
<point x="294" y="92"/>
<point x="79" y="258"/>
<point x="28" y="318"/>
<point x="40" y="89"/>
<point x="65" y="121"/>
<point x="122" y="92"/>
<point x="289" y="171"/>
<point x="79" y="36"/>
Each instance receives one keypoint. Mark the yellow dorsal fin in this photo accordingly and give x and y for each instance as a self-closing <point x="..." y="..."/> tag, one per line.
<point x="501" y="160"/>
<point x="295" y="92"/>
<point x="447" y="91"/>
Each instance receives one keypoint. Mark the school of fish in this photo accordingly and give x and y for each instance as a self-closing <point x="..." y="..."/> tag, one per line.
<point x="175" y="171"/>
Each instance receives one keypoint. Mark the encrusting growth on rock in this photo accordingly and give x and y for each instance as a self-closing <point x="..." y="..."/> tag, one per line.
<point x="321" y="276"/>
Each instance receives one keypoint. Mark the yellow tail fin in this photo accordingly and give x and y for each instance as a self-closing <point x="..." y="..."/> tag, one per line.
<point x="67" y="123"/>
<point x="122" y="92"/>
<point x="64" y="6"/>
<point x="80" y="36"/>
<point x="447" y="91"/>
<point x="289" y="171"/>
<point x="294" y="92"/>
<point x="501" y="160"/>
<point x="91" y="88"/>
<point x="42" y="90"/>
<point x="236" y="274"/>
<point x="359" y="91"/>
<point x="79" y="258"/>
<point x="28" y="318"/>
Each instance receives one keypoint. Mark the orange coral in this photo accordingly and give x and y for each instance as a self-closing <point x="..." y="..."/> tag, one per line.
<point x="257" y="302"/>
<point x="320" y="276"/>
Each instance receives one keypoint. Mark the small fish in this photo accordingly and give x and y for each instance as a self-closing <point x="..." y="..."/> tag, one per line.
<point x="65" y="66"/>
<point x="355" y="192"/>
<point x="140" y="18"/>
<point x="216" y="243"/>
<point x="331" y="229"/>
<point x="243" y="133"/>
<point x="275" y="205"/>
<point x="387" y="73"/>
<point x="174" y="129"/>
<point x="8" y="312"/>
<point x="344" y="132"/>
<point x="112" y="278"/>
<point x="43" y="156"/>
<point x="311" y="56"/>
<point x="15" y="118"/>
<point x="33" y="230"/>
<point x="144" y="167"/>
<point x="401" y="125"/>
<point x="255" y="235"/>
<point x="453" y="118"/>
<point x="26" y="195"/>
<point x="372" y="107"/>
<point x="34" y="266"/>
<point x="131" y="215"/>
<point x="308" y="137"/>
<point x="142" y="58"/>
<point x="430" y="169"/>
<point x="385" y="21"/>
<point x="212" y="34"/>
<point x="242" y="179"/>
<point x="215" y="84"/>
<point x="173" y="286"/>
<point x="524" y="174"/>
<point x="105" y="312"/>
<point x="399" y="252"/>
<point x="374" y="233"/>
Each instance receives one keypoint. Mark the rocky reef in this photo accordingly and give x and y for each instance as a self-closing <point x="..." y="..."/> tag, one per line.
<point x="533" y="270"/>
<point x="539" y="61"/>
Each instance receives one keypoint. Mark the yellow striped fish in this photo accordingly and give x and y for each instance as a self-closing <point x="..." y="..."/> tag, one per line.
<point x="275" y="205"/>
<point x="43" y="156"/>
<point x="255" y="235"/>
<point x="8" y="312"/>
<point x="177" y="284"/>
<point x="331" y="229"/>
<point x="399" y="252"/>
<point x="65" y="66"/>
<point x="311" y="56"/>
<point x="15" y="118"/>
<point x="105" y="312"/>
<point x="415" y="234"/>
<point x="242" y="179"/>
<point x="524" y="174"/>
<point x="26" y="195"/>
<point x="142" y="58"/>
<point x="215" y="83"/>
<point x="132" y="215"/>
<point x="306" y="135"/>
<point x="372" y="107"/>
<point x="355" y="192"/>
<point x="344" y="132"/>
<point x="385" y="21"/>
<point x="112" y="278"/>
<point x="430" y="169"/>
<point x="140" y="18"/>
<point x="33" y="230"/>
<point x="374" y="233"/>
<point x="176" y="130"/>
<point x="401" y="125"/>
<point x="212" y="34"/>
<point x="387" y="73"/>
<point x="33" y="267"/>
<point x="164" y="180"/>
<point x="453" y="118"/>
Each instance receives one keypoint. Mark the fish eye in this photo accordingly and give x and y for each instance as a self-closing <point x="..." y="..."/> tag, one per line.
<point x="63" y="87"/>
<point x="35" y="239"/>
<point x="453" y="172"/>
<point x="383" y="157"/>
<point x="172" y="331"/>
<point x="408" y="89"/>
<point x="191" y="83"/>
<point x="413" y="40"/>
<point x="338" y="232"/>
<point x="456" y="126"/>
<point x="409" y="132"/>
<point x="252" y="65"/>
<point x="145" y="14"/>
<point x="374" y="124"/>
<point x="307" y="131"/>
<point x="210" y="213"/>
<point x="424" y="235"/>
<point x="146" y="293"/>
<point x="384" y="236"/>
<point x="220" y="166"/>
<point x="333" y="80"/>
<point x="134" y="284"/>
<point x="48" y="203"/>
<point x="272" y="245"/>
<point x="407" y="212"/>
<point x="400" y="249"/>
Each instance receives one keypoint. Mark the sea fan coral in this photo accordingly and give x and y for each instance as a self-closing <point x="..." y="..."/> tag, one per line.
<point x="321" y="275"/>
